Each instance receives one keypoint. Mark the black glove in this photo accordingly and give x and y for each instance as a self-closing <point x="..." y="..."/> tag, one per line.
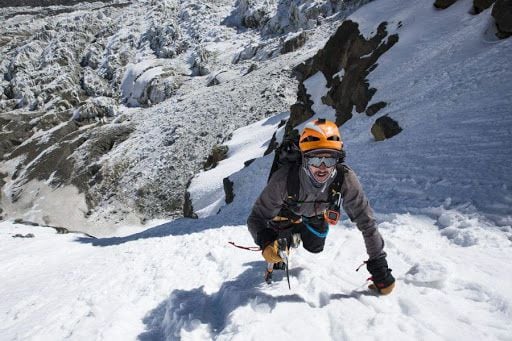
<point x="383" y="280"/>
<point x="265" y="236"/>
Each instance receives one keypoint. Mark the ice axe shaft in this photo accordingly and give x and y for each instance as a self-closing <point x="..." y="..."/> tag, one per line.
<point x="282" y="244"/>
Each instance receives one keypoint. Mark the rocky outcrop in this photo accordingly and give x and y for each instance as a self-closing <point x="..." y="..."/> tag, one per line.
<point x="481" y="5"/>
<point x="345" y="61"/>
<point x="384" y="128"/>
<point x="188" y="209"/>
<point x="199" y="62"/>
<point x="228" y="190"/>
<point x="374" y="108"/>
<point x="16" y="128"/>
<point x="96" y="108"/>
<point x="294" y="42"/>
<point x="67" y="156"/>
<point x="217" y="154"/>
<point x="442" y="4"/>
<point x="64" y="160"/>
<point x="502" y="13"/>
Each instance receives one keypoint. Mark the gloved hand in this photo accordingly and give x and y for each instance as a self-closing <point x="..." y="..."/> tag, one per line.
<point x="271" y="253"/>
<point x="383" y="280"/>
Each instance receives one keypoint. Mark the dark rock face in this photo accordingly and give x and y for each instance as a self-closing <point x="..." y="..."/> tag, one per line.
<point x="351" y="53"/>
<point x="300" y="112"/>
<point x="188" y="209"/>
<point x="374" y="108"/>
<point x="384" y="128"/>
<point x="502" y="13"/>
<point x="442" y="4"/>
<point x="481" y="5"/>
<point x="228" y="190"/>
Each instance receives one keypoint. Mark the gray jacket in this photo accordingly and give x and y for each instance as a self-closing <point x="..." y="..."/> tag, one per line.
<point x="355" y="204"/>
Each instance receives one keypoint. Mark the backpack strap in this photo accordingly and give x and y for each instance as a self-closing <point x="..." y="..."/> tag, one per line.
<point x="334" y="198"/>
<point x="293" y="184"/>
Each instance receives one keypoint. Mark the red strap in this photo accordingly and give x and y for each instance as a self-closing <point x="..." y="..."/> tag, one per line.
<point x="248" y="248"/>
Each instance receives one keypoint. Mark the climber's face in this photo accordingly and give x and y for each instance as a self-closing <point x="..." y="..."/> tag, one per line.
<point x="320" y="165"/>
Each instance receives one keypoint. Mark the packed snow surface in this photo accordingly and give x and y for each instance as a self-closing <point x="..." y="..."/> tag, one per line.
<point x="182" y="280"/>
<point x="441" y="189"/>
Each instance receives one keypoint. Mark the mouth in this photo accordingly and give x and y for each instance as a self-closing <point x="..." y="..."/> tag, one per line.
<point x="321" y="175"/>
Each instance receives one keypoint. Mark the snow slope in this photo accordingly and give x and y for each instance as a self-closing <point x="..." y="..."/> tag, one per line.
<point x="443" y="209"/>
<point x="448" y="83"/>
<point x="183" y="281"/>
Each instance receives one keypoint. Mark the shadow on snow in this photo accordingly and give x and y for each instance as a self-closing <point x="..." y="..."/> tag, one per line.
<point x="178" y="227"/>
<point x="188" y="309"/>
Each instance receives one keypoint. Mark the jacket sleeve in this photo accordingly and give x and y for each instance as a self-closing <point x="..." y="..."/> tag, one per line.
<point x="268" y="203"/>
<point x="358" y="209"/>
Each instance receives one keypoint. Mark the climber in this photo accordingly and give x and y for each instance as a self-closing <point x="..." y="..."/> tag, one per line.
<point x="303" y="198"/>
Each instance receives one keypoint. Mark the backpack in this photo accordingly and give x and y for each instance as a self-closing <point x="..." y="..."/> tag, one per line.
<point x="288" y="153"/>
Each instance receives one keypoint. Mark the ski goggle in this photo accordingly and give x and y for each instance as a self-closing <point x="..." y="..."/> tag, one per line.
<point x="316" y="161"/>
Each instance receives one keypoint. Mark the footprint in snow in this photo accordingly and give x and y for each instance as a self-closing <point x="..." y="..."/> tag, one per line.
<point x="428" y="274"/>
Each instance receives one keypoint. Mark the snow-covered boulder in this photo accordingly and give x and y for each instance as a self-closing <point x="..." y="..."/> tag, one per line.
<point x="147" y="83"/>
<point x="221" y="77"/>
<point x="96" y="108"/>
<point x="248" y="52"/>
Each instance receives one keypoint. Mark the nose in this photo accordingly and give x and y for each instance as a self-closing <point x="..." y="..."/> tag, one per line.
<point x="323" y="166"/>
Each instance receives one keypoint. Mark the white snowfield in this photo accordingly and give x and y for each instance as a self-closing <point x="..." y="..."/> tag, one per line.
<point x="441" y="189"/>
<point x="184" y="281"/>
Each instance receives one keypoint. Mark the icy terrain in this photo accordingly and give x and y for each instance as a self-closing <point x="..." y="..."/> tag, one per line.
<point x="441" y="189"/>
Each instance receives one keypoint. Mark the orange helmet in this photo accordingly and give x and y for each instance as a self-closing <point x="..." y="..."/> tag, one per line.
<point x="320" y="134"/>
